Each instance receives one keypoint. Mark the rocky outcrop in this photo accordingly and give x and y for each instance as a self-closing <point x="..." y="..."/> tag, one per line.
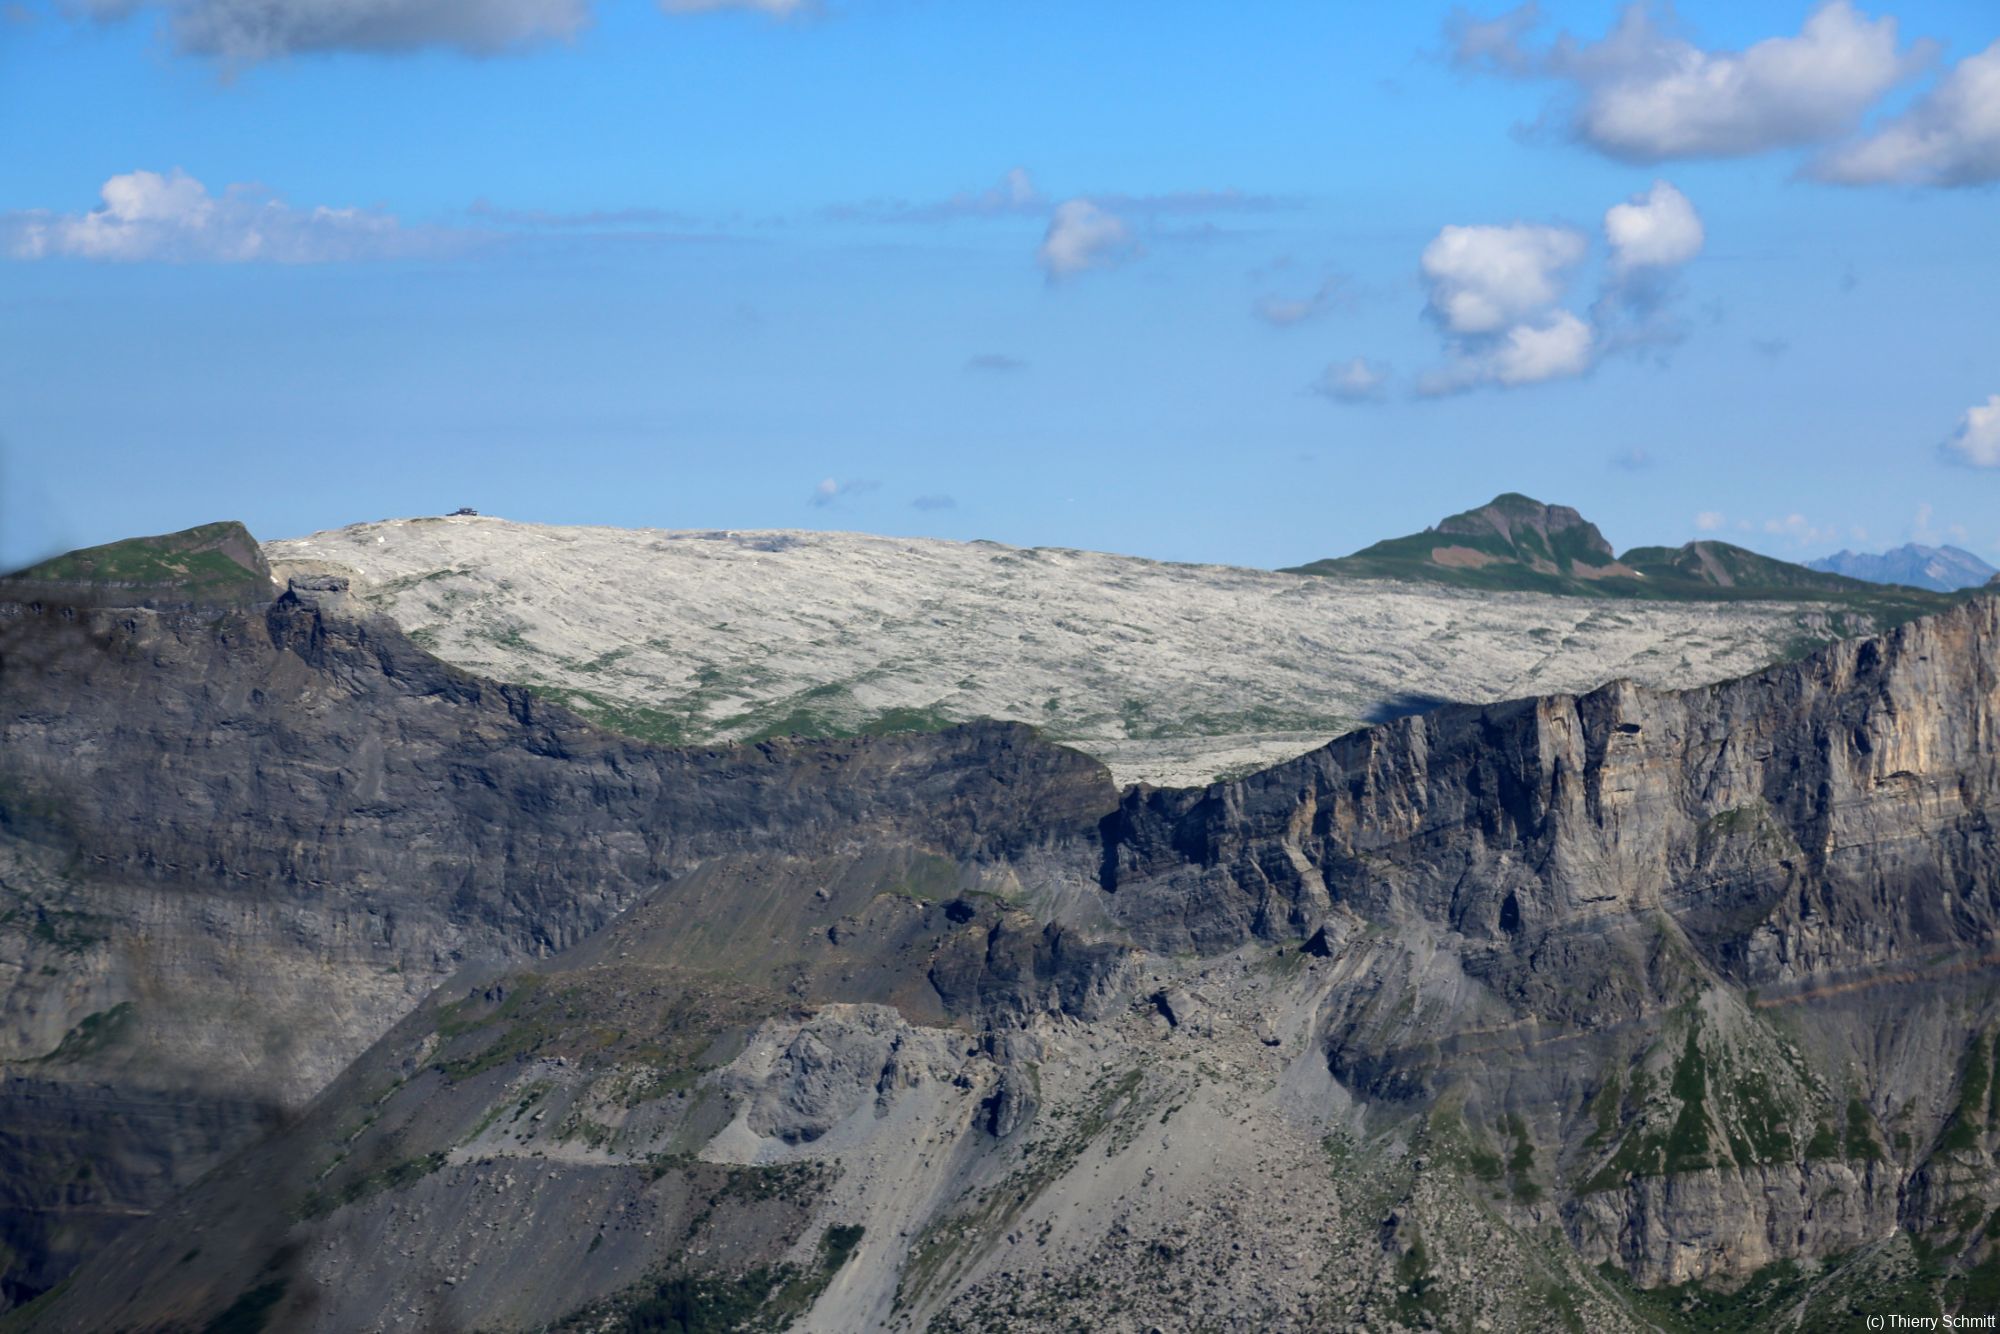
<point x="260" y="834"/>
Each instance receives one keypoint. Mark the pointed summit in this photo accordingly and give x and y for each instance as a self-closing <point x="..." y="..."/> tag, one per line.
<point x="1515" y="542"/>
<point x="1512" y="541"/>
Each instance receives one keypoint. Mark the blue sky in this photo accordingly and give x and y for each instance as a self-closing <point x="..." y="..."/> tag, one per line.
<point x="1160" y="278"/>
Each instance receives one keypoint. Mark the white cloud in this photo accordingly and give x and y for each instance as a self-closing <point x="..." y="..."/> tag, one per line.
<point x="148" y="216"/>
<point x="252" y="30"/>
<point x="1082" y="236"/>
<point x="1977" y="440"/>
<point x="1555" y="349"/>
<point x="1950" y="137"/>
<point x="1709" y="521"/>
<point x="1559" y="345"/>
<point x="1355" y="381"/>
<point x="1645" y="94"/>
<point x="1483" y="279"/>
<point x="1655" y="230"/>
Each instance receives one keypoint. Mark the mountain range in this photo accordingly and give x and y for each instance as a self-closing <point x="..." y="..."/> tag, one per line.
<point x="1941" y="569"/>
<point x="346" y="987"/>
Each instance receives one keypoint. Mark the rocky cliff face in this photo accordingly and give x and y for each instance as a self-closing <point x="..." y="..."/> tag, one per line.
<point x="238" y="843"/>
<point x="1471" y="1016"/>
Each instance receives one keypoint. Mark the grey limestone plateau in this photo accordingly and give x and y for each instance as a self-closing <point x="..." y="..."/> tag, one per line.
<point x="352" y="978"/>
<point x="1170" y="674"/>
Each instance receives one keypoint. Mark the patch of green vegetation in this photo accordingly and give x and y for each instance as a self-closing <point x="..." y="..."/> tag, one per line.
<point x="59" y="928"/>
<point x="216" y="561"/>
<point x="1418" y="1301"/>
<point x="93" y="1034"/>
<point x="684" y="1305"/>
<point x="1697" y="1308"/>
<point x="519" y="1033"/>
<point x="661" y="727"/>
<point x="1767" y="1133"/>
<point x="1687" y="1144"/>
<point x="1603" y="1112"/>
<point x="249" y="1313"/>
<point x="1521" y="1162"/>
<point x="1969" y="1116"/>
<point x="397" y="1176"/>
<point x="1862" y="1143"/>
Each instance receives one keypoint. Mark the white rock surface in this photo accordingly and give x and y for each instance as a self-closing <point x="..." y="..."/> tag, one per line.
<point x="1171" y="674"/>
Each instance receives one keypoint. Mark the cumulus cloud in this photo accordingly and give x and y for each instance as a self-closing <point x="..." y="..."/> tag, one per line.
<point x="1652" y="230"/>
<point x="1287" y="312"/>
<point x="1976" y="442"/>
<point x="253" y="30"/>
<point x="1648" y="238"/>
<point x="1710" y="521"/>
<point x="1951" y="136"/>
<point x="1644" y="93"/>
<point x="1498" y="293"/>
<point x="1495" y="292"/>
<point x="1357" y="380"/>
<point x="1082" y="236"/>
<point x="1483" y="279"/>
<point x="148" y="216"/>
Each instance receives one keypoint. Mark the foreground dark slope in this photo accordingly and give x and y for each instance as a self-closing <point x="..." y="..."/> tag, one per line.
<point x="238" y="841"/>
<point x="1427" y="1024"/>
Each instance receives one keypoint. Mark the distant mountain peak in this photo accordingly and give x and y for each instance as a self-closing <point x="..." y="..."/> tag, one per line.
<point x="1512" y="515"/>
<point x="1516" y="542"/>
<point x="1944" y="569"/>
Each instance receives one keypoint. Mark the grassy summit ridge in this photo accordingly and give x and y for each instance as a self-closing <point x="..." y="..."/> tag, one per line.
<point x="1517" y="543"/>
<point x="215" y="562"/>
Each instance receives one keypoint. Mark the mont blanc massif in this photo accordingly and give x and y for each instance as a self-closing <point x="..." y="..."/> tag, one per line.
<point x="457" y="924"/>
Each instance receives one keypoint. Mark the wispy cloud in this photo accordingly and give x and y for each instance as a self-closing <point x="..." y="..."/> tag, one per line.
<point x="245" y="31"/>
<point x="145" y="215"/>
<point x="832" y="490"/>
<point x="1014" y="195"/>
<point x="1286" y="312"/>
<point x="1082" y="236"/>
<point x="1356" y="380"/>
<point x="487" y="211"/>
<point x="938" y="502"/>
<point x="995" y="363"/>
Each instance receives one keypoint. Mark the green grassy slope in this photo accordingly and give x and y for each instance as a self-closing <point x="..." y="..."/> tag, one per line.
<point x="1516" y="543"/>
<point x="216" y="562"/>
